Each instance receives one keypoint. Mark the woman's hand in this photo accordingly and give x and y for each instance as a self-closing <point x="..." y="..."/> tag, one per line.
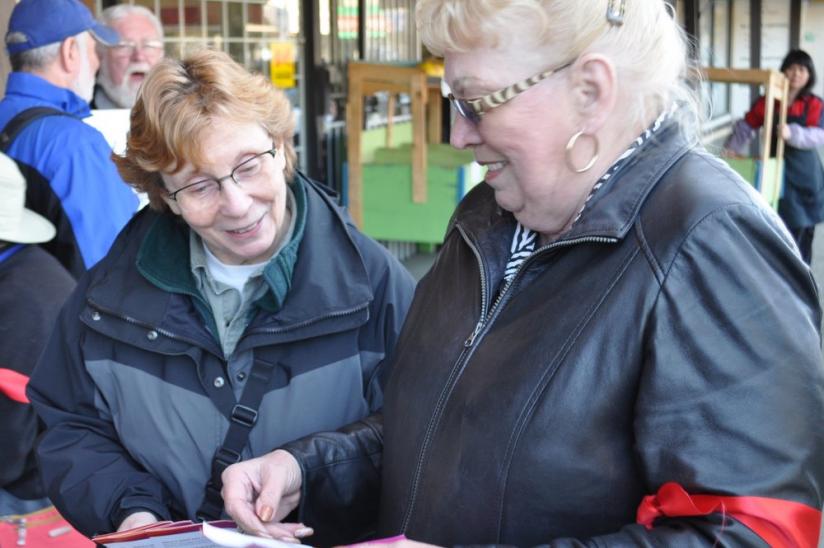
<point x="785" y="132"/>
<point x="260" y="492"/>
<point x="138" y="519"/>
<point x="729" y="153"/>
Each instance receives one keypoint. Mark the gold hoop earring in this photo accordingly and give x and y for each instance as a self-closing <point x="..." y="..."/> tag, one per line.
<point x="571" y="145"/>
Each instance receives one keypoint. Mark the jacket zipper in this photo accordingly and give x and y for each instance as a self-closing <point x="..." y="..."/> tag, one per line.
<point x="485" y="320"/>
<point x="306" y="323"/>
<point x="448" y="386"/>
<point x="173" y="336"/>
<point x="484" y="291"/>
<point x="144" y="325"/>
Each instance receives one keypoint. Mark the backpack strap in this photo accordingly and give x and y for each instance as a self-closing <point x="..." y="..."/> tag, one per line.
<point x="243" y="418"/>
<point x="23" y="119"/>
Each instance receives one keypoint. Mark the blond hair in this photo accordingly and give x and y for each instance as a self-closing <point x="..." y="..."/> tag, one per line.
<point x="649" y="50"/>
<point x="178" y="102"/>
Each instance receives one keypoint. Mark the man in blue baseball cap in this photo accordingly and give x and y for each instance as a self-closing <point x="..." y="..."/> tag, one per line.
<point x="41" y="27"/>
<point x="67" y="163"/>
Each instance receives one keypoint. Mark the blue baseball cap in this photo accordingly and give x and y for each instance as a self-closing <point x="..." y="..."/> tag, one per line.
<point x="36" y="23"/>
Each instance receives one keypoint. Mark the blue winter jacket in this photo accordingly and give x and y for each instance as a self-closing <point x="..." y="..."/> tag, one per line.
<point x="81" y="191"/>
<point x="135" y="390"/>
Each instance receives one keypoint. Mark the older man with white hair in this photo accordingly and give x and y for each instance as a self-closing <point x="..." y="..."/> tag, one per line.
<point x="124" y="65"/>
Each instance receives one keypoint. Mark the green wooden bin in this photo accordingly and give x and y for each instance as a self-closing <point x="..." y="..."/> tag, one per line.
<point x="753" y="171"/>
<point x="388" y="210"/>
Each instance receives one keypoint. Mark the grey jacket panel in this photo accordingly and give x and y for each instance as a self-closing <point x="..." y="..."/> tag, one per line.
<point x="173" y="432"/>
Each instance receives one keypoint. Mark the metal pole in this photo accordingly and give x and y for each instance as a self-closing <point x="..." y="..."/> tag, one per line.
<point x="795" y="24"/>
<point x="362" y="29"/>
<point x="310" y="90"/>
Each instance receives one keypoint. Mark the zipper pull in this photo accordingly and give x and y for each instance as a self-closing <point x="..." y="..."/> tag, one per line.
<point x="471" y="339"/>
<point x="59" y="531"/>
<point x="21" y="531"/>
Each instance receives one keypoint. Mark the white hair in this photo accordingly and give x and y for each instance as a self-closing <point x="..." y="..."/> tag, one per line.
<point x="33" y="59"/>
<point x="649" y="50"/>
<point x="83" y="84"/>
<point x="119" y="11"/>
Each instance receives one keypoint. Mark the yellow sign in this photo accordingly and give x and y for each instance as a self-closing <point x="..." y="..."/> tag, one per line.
<point x="282" y="64"/>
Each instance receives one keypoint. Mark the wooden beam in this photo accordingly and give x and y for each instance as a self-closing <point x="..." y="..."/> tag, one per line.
<point x="354" y="129"/>
<point x="433" y="112"/>
<point x="780" y="90"/>
<point x="743" y="76"/>
<point x="419" y="145"/>
<point x="390" y="119"/>
<point x="367" y="79"/>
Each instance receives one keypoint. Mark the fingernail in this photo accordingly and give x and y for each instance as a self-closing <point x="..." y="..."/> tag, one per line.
<point x="291" y="540"/>
<point x="266" y="513"/>
<point x="304" y="532"/>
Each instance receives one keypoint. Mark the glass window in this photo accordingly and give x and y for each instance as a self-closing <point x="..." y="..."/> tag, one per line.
<point x="714" y="50"/>
<point x="192" y="17"/>
<point x="260" y="59"/>
<point x="170" y="17"/>
<point x="775" y="32"/>
<point x="347" y="30"/>
<point x="172" y="50"/>
<point x="146" y="4"/>
<point x="236" y="50"/>
<point x="235" y="19"/>
<point x="214" y="21"/>
<point x="268" y="20"/>
<point x="390" y="31"/>
<point x="740" y="94"/>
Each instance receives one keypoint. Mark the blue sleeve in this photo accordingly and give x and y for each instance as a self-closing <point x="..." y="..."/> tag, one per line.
<point x="76" y="160"/>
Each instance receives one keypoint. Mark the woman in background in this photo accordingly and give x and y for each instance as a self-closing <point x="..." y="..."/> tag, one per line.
<point x="802" y="201"/>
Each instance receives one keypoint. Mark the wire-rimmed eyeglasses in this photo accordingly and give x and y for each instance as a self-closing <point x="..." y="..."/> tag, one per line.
<point x="205" y="192"/>
<point x="126" y="48"/>
<point x="473" y="109"/>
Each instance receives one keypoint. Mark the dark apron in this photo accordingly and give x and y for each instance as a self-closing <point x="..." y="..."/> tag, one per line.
<point x="802" y="202"/>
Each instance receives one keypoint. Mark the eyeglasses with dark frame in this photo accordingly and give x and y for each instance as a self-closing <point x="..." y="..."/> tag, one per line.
<point x="474" y="109"/>
<point x="204" y="192"/>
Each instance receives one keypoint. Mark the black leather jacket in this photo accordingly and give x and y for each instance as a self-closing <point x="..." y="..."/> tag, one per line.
<point x="671" y="336"/>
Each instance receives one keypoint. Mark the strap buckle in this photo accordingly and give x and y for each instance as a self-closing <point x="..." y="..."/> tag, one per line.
<point x="245" y="416"/>
<point x="225" y="457"/>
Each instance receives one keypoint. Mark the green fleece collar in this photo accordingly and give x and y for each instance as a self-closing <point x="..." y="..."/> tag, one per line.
<point x="164" y="257"/>
<point x="278" y="272"/>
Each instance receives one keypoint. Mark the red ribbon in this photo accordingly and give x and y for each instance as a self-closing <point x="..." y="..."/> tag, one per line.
<point x="780" y="523"/>
<point x="13" y="385"/>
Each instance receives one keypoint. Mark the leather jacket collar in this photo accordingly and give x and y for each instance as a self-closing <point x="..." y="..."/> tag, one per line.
<point x="612" y="210"/>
